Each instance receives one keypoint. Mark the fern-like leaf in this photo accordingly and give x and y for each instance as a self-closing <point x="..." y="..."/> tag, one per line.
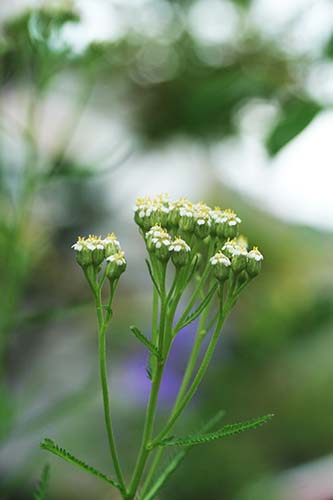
<point x="52" y="447"/>
<point x="198" y="311"/>
<point x="226" y="430"/>
<point x="178" y="459"/>
<point x="40" y="493"/>
<point x="140" y="336"/>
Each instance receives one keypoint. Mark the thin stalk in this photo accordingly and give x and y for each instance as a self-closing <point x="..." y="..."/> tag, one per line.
<point x="152" y="470"/>
<point x="193" y="357"/>
<point x="152" y="404"/>
<point x="102" y="327"/>
<point x="199" y="287"/>
<point x="197" y="379"/>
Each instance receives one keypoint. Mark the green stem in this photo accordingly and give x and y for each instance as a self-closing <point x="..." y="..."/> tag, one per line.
<point x="199" y="287"/>
<point x="102" y="327"/>
<point x="152" y="470"/>
<point x="197" y="379"/>
<point x="152" y="405"/>
<point x="193" y="358"/>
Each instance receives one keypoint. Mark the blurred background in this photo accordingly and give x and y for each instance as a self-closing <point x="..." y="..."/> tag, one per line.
<point x="226" y="101"/>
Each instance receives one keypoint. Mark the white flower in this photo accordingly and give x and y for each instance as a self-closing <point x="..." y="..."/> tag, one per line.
<point x="220" y="258"/>
<point x="111" y="239"/>
<point x="118" y="258"/>
<point x="179" y="245"/>
<point x="234" y="248"/>
<point x="255" y="254"/>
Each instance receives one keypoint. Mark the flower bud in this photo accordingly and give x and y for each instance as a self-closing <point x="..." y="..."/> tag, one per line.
<point x="111" y="244"/>
<point x="174" y="211"/>
<point x="89" y="251"/>
<point x="230" y="224"/>
<point x="180" y="252"/>
<point x="237" y="253"/>
<point x="186" y="219"/>
<point x="202" y="220"/>
<point x="254" y="260"/>
<point x="116" y="265"/>
<point x="221" y="266"/>
<point x="161" y="209"/>
<point x="158" y="242"/>
<point x="142" y="212"/>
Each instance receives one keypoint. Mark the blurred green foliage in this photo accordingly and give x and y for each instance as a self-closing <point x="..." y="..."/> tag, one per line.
<point x="276" y="355"/>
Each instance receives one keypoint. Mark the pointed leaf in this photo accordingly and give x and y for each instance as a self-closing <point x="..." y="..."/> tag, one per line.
<point x="139" y="335"/>
<point x="177" y="460"/>
<point x="40" y="493"/>
<point x="52" y="447"/>
<point x="296" y="115"/>
<point x="227" y="430"/>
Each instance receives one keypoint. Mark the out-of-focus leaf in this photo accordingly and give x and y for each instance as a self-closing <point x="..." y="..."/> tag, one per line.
<point x="43" y="483"/>
<point x="328" y="48"/>
<point x="296" y="116"/>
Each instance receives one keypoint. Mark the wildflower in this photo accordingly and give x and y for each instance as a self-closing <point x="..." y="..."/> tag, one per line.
<point x="254" y="260"/>
<point x="237" y="252"/>
<point x="226" y="223"/>
<point x="174" y="210"/>
<point x="160" y="210"/>
<point x="116" y="265"/>
<point x="221" y="265"/>
<point x="142" y="212"/>
<point x="186" y="220"/>
<point x="159" y="241"/>
<point x="89" y="251"/>
<point x="111" y="244"/>
<point x="180" y="252"/>
<point x="202" y="220"/>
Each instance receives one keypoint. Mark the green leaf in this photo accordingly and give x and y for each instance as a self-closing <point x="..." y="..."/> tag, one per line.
<point x="226" y="430"/>
<point x="296" y="116"/>
<point x="152" y="348"/>
<point x="52" y="447"/>
<point x="198" y="311"/>
<point x="177" y="460"/>
<point x="40" y="493"/>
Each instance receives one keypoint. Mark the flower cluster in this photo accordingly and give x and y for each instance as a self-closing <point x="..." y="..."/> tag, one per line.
<point x="234" y="255"/>
<point x="172" y="227"/>
<point x="186" y="217"/>
<point x="161" y="243"/>
<point x="94" y="250"/>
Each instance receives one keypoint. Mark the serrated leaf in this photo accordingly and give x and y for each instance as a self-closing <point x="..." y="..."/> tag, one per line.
<point x="226" y="430"/>
<point x="199" y="310"/>
<point x="296" y="116"/>
<point x="40" y="493"/>
<point x="178" y="459"/>
<point x="52" y="447"/>
<point x="140" y="336"/>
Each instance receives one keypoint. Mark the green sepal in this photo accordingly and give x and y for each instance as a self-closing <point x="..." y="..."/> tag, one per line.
<point x="198" y="311"/>
<point x="178" y="459"/>
<point x="226" y="430"/>
<point x="52" y="447"/>
<point x="152" y="348"/>
<point x="40" y="493"/>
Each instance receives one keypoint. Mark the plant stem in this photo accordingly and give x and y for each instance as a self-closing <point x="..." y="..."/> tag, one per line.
<point x="153" y="399"/>
<point x="197" y="379"/>
<point x="187" y="376"/>
<point x="102" y="327"/>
